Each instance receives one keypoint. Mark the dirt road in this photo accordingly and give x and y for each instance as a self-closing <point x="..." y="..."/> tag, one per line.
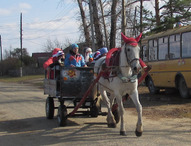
<point x="23" y="122"/>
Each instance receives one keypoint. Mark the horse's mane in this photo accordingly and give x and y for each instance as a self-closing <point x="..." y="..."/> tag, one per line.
<point x="112" y="58"/>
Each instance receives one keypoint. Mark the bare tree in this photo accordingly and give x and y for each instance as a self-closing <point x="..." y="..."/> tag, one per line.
<point x="50" y="45"/>
<point x="157" y="15"/>
<point x="113" y="24"/>
<point x="106" y="20"/>
<point x="98" y="32"/>
<point x="104" y="25"/>
<point x="84" y="24"/>
<point x="7" y="53"/>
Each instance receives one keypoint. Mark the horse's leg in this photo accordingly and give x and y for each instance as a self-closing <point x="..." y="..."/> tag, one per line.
<point x="121" y="113"/>
<point x="110" y="119"/>
<point x="139" y="126"/>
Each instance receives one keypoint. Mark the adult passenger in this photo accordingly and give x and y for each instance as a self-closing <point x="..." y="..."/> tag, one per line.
<point x="57" y="58"/>
<point x="73" y="58"/>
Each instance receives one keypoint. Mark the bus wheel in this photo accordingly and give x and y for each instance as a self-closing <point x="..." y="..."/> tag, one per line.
<point x="182" y="87"/>
<point x="152" y="88"/>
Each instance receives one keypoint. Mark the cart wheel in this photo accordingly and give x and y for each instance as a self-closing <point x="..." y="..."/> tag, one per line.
<point x="94" y="111"/>
<point x="62" y="115"/>
<point x="49" y="108"/>
<point x="115" y="111"/>
<point x="95" y="108"/>
<point x="116" y="115"/>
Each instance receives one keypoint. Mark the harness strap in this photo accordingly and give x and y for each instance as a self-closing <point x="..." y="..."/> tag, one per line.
<point x="129" y="61"/>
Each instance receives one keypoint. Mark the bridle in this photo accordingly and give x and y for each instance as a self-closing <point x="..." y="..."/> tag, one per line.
<point x="129" y="61"/>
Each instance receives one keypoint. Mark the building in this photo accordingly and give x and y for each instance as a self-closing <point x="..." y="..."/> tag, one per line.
<point x="41" y="57"/>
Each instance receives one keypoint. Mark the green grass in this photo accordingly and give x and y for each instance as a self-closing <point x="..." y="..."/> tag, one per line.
<point x="20" y="79"/>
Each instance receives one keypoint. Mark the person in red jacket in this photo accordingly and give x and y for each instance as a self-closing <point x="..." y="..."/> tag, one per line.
<point x="56" y="59"/>
<point x="53" y="58"/>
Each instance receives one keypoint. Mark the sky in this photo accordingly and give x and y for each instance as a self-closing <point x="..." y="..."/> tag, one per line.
<point x="42" y="20"/>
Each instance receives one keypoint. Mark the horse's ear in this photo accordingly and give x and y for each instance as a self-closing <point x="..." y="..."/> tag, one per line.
<point x="138" y="38"/>
<point x="125" y="39"/>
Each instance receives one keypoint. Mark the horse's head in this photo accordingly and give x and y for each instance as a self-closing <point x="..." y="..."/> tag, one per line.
<point x="132" y="50"/>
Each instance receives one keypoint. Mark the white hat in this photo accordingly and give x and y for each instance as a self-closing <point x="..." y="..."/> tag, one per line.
<point x="59" y="53"/>
<point x="88" y="50"/>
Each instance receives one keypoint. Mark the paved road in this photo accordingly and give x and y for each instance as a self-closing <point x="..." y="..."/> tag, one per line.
<point x="23" y="122"/>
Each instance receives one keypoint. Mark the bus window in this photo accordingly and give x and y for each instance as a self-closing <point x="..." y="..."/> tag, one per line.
<point x="174" y="46"/>
<point x="169" y="54"/>
<point x="163" y="48"/>
<point x="177" y="37"/>
<point x="186" y="44"/>
<point x="153" y="50"/>
<point x="145" y="53"/>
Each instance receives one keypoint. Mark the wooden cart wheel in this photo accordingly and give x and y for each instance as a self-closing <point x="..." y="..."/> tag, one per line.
<point x="94" y="111"/>
<point x="95" y="107"/>
<point x="115" y="112"/>
<point x="49" y="108"/>
<point x="62" y="115"/>
<point x="116" y="115"/>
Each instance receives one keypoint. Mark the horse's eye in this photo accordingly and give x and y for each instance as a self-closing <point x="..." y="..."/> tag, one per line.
<point x="128" y="50"/>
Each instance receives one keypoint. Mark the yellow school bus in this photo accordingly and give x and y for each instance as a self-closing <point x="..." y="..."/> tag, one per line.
<point x="169" y="54"/>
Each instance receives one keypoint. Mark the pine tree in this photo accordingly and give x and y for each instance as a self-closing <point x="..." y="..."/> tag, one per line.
<point x="175" y="11"/>
<point x="172" y="12"/>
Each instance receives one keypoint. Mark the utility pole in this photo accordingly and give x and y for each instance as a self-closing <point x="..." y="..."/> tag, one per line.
<point x="1" y="49"/>
<point x="92" y="25"/>
<point x="21" y="45"/>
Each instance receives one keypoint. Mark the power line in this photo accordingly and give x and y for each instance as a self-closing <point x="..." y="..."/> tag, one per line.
<point x="50" y="21"/>
<point x="57" y="34"/>
<point x="67" y="9"/>
<point x="60" y="19"/>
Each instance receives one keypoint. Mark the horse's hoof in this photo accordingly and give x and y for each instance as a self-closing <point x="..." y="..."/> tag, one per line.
<point x="138" y="134"/>
<point x="123" y="133"/>
<point x="111" y="125"/>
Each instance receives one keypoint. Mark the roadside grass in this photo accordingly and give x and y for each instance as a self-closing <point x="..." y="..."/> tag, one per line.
<point x="8" y="79"/>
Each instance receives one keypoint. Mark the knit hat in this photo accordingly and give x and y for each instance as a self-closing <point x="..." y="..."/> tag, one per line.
<point x="59" y="53"/>
<point x="88" y="50"/>
<point x="56" y="50"/>
<point x="74" y="46"/>
<point x="103" y="50"/>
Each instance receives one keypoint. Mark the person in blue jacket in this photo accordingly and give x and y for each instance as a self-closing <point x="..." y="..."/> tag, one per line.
<point x="73" y="58"/>
<point x="100" y="53"/>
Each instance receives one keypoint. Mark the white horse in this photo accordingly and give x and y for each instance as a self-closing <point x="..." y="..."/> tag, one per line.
<point x="123" y="83"/>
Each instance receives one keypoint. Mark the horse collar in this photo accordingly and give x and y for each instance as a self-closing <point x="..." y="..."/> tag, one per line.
<point x="131" y="79"/>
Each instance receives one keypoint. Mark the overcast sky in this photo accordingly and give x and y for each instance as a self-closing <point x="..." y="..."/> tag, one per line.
<point x="42" y="20"/>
